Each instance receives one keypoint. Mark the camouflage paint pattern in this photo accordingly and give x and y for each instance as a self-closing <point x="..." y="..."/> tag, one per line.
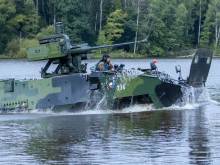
<point x="43" y="93"/>
<point x="130" y="86"/>
<point x="44" y="52"/>
<point x="73" y="89"/>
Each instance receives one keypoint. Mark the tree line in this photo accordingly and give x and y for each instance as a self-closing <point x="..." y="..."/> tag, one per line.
<point x="169" y="25"/>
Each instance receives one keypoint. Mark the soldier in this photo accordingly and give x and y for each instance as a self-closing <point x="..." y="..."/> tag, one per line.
<point x="104" y="64"/>
<point x="153" y="65"/>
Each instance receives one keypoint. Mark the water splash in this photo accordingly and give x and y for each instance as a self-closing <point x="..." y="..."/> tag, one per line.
<point x="189" y="96"/>
<point x="205" y="97"/>
<point x="182" y="107"/>
<point x="101" y="103"/>
<point x="131" y="109"/>
<point x="193" y="98"/>
<point x="132" y="72"/>
<point x="127" y="75"/>
<point x="98" y="110"/>
<point x="188" y="101"/>
<point x="132" y="100"/>
<point x="139" y="108"/>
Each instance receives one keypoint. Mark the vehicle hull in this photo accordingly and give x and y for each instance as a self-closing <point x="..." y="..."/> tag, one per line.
<point x="44" y="93"/>
<point x="78" y="91"/>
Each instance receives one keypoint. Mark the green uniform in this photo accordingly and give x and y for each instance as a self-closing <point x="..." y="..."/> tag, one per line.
<point x="102" y="66"/>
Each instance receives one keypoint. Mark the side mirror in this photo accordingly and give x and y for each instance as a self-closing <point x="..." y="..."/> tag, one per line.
<point x="178" y="69"/>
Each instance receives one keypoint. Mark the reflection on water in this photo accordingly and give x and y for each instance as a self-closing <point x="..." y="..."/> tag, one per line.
<point x="135" y="135"/>
<point x="158" y="136"/>
<point x="198" y="138"/>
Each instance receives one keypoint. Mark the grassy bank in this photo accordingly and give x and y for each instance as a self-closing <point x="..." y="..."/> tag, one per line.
<point x="97" y="55"/>
<point x="9" y="57"/>
<point x="2" y="56"/>
<point x="127" y="55"/>
<point x="118" y="54"/>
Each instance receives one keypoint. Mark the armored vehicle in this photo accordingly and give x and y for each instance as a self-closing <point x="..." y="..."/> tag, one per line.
<point x="69" y="86"/>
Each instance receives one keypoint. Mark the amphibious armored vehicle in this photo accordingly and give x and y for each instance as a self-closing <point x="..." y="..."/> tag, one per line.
<point x="69" y="86"/>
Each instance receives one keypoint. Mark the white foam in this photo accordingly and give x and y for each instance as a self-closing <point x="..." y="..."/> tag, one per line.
<point x="205" y="97"/>
<point x="183" y="107"/>
<point x="138" y="108"/>
<point x="131" y="109"/>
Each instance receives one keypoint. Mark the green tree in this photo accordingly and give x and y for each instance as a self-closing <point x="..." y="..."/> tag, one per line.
<point x="7" y="10"/>
<point x="24" y="21"/>
<point x="48" y="31"/>
<point x="13" y="47"/>
<point x="158" y="22"/>
<point x="179" y="25"/>
<point x="18" y="19"/>
<point x="114" y="27"/>
<point x="102" y="40"/>
<point x="130" y="27"/>
<point x="75" y="17"/>
<point x="211" y="27"/>
<point x="165" y="24"/>
<point x="169" y="25"/>
<point x="25" y="43"/>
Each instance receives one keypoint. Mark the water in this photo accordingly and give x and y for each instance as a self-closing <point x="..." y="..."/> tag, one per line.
<point x="139" y="134"/>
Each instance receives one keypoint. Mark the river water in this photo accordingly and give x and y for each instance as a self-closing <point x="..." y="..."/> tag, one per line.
<point x="139" y="134"/>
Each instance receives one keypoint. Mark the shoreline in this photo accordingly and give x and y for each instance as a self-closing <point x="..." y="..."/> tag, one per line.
<point x="123" y="55"/>
<point x="120" y="58"/>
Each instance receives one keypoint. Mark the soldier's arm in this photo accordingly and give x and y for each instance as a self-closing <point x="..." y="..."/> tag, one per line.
<point x="111" y="67"/>
<point x="101" y="66"/>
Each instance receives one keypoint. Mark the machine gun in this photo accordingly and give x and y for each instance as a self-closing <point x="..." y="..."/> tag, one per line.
<point x="58" y="50"/>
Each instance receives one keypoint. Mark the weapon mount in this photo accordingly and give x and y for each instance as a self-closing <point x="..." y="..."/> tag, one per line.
<point x="58" y="50"/>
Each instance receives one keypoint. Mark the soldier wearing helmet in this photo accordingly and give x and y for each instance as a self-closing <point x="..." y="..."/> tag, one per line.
<point x="153" y="65"/>
<point x="104" y="64"/>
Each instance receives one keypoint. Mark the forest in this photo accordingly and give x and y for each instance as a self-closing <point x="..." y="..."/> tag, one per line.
<point x="169" y="25"/>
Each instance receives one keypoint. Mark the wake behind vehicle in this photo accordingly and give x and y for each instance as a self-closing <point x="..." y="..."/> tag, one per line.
<point x="69" y="86"/>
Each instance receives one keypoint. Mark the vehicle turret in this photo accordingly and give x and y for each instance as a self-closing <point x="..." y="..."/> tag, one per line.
<point x="57" y="49"/>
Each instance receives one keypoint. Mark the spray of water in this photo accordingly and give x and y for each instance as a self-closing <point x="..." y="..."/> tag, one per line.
<point x="130" y="109"/>
<point x="205" y="97"/>
<point x="193" y="98"/>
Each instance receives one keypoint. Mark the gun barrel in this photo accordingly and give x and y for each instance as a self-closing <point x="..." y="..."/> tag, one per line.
<point x="116" y="45"/>
<point x="84" y="49"/>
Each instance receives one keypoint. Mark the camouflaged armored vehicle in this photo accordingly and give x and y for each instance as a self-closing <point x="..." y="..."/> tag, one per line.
<point x="69" y="86"/>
